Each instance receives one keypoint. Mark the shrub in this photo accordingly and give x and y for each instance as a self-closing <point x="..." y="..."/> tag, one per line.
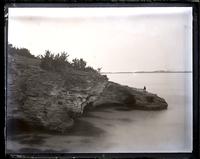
<point x="55" y="63"/>
<point x="90" y="69"/>
<point x="58" y="62"/>
<point x="19" y="51"/>
<point x="79" y="64"/>
<point x="47" y="60"/>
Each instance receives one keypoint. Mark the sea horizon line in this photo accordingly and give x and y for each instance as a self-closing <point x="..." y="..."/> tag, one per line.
<point x="126" y="72"/>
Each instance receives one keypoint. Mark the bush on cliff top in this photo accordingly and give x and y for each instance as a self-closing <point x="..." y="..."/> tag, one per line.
<point x="54" y="62"/>
<point x="19" y="51"/>
<point x="58" y="62"/>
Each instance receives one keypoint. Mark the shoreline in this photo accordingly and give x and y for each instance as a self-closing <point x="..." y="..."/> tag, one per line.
<point x="54" y="100"/>
<point x="86" y="130"/>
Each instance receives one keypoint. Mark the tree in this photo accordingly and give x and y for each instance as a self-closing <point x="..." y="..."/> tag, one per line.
<point x="60" y="61"/>
<point x="47" y="60"/>
<point x="79" y="64"/>
<point x="53" y="62"/>
<point x="82" y="64"/>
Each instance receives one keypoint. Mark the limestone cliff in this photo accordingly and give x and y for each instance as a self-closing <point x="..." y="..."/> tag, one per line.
<point x="52" y="100"/>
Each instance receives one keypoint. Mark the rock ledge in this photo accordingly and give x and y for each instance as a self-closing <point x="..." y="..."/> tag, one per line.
<point x="52" y="101"/>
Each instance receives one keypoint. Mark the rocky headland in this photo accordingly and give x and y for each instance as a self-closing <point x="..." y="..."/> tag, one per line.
<point x="53" y="100"/>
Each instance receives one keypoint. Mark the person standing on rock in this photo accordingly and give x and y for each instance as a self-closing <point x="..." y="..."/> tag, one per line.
<point x="144" y="88"/>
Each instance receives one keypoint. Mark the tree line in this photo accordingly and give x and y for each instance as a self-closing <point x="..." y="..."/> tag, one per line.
<point x="53" y="62"/>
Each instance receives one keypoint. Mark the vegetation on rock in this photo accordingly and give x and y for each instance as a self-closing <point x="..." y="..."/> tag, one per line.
<point x="53" y="62"/>
<point x="58" y="62"/>
<point x="19" y="51"/>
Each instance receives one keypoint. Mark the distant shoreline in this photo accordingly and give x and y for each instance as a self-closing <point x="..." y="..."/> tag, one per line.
<point x="146" y="72"/>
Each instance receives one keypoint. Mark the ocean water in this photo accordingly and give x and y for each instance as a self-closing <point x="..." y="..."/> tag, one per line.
<point x="169" y="130"/>
<point x="112" y="130"/>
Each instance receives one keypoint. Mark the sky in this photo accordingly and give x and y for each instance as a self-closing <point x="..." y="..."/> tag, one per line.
<point x="114" y="39"/>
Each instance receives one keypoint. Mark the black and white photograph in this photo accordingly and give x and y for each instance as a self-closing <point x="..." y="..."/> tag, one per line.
<point x="99" y="80"/>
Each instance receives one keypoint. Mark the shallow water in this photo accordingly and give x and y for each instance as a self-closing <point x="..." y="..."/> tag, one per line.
<point x="115" y="130"/>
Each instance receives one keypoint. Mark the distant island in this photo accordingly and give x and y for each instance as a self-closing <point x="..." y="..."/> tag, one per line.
<point x="156" y="71"/>
<point x="163" y="71"/>
<point x="115" y="72"/>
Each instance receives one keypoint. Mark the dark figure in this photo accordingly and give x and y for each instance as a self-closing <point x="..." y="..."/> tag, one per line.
<point x="144" y="88"/>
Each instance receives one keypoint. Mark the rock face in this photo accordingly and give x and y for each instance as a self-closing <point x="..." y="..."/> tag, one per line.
<point x="53" y="100"/>
<point x="131" y="98"/>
